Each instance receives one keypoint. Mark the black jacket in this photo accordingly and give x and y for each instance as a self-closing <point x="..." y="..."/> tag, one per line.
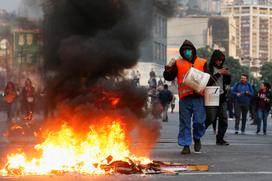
<point x="165" y="96"/>
<point x="217" y="54"/>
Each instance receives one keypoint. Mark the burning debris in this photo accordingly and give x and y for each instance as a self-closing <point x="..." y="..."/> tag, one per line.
<point x="87" y="46"/>
<point x="104" y="150"/>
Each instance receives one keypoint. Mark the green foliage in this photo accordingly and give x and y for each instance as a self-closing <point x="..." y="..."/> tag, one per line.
<point x="236" y="69"/>
<point x="266" y="72"/>
<point x="205" y="53"/>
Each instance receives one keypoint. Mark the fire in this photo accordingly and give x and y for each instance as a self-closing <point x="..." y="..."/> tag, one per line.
<point x="66" y="151"/>
<point x="115" y="101"/>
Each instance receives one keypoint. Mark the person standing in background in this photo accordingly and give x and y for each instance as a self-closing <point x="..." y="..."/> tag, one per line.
<point x="28" y="98"/>
<point x="242" y="92"/>
<point x="253" y="106"/>
<point x="173" y="104"/>
<point x="10" y="96"/>
<point x="165" y="97"/>
<point x="264" y="99"/>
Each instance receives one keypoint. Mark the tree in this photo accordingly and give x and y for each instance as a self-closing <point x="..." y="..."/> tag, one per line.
<point x="236" y="69"/>
<point x="205" y="53"/>
<point x="266" y="72"/>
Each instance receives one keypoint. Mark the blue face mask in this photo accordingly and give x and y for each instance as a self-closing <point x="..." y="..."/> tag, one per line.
<point x="188" y="53"/>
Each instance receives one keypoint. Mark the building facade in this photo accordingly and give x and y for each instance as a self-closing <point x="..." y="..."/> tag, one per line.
<point x="222" y="35"/>
<point x="153" y="51"/>
<point x="216" y="32"/>
<point x="253" y="32"/>
<point x="180" y="29"/>
<point x="211" y="6"/>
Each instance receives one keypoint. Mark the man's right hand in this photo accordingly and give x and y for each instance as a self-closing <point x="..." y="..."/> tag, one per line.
<point x="224" y="71"/>
<point x="170" y="65"/>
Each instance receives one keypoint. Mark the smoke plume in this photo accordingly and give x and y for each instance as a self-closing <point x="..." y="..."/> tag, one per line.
<point x="31" y="9"/>
<point x="88" y="44"/>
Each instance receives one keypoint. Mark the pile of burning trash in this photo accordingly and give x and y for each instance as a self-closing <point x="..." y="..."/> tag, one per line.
<point x="103" y="150"/>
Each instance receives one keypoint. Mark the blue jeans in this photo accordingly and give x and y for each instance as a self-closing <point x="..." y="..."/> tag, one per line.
<point x="262" y="116"/>
<point x="191" y="107"/>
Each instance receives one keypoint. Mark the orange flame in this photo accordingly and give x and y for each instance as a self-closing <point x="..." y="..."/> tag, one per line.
<point x="65" y="151"/>
<point x="115" y="101"/>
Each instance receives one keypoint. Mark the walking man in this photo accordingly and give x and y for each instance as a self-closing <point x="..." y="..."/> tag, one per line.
<point x="165" y="97"/>
<point x="191" y="103"/>
<point x="220" y="77"/>
<point x="243" y="92"/>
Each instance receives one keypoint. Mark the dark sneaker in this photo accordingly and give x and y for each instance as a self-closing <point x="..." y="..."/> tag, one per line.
<point x="185" y="150"/>
<point x="257" y="132"/>
<point x="236" y="132"/>
<point x="197" y="145"/>
<point x="222" y="142"/>
<point x="264" y="132"/>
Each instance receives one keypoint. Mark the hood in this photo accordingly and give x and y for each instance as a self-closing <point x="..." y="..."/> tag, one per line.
<point x="217" y="54"/>
<point x="187" y="44"/>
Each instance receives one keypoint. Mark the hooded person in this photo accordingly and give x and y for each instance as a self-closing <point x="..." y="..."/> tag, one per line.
<point x="220" y="76"/>
<point x="191" y="103"/>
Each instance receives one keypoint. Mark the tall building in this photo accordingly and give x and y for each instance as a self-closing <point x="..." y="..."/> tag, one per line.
<point x="212" y="31"/>
<point x="254" y="33"/>
<point x="153" y="52"/>
<point x="210" y="6"/>
<point x="222" y="35"/>
<point x="227" y="2"/>
<point x="265" y="2"/>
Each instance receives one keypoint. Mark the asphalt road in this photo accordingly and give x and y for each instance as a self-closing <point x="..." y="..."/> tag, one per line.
<point x="247" y="158"/>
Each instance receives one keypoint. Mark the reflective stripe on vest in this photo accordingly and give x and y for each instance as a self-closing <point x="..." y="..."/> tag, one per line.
<point x="183" y="67"/>
<point x="184" y="92"/>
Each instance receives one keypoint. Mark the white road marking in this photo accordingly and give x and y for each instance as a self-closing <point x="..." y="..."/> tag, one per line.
<point x="226" y="173"/>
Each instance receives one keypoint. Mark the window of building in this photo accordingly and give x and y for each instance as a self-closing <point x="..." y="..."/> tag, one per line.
<point x="245" y="10"/>
<point x="255" y="10"/>
<point x="159" y="25"/>
<point x="29" y="58"/>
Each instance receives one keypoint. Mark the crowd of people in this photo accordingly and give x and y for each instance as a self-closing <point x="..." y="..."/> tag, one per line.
<point x="194" y="116"/>
<point x="234" y="102"/>
<point x="19" y="102"/>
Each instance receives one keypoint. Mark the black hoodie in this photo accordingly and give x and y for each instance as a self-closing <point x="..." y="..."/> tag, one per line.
<point x="172" y="74"/>
<point x="217" y="54"/>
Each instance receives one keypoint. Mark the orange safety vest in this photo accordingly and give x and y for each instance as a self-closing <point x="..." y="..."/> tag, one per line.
<point x="183" y="67"/>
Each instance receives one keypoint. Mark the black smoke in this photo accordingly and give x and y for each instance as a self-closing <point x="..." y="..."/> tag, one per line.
<point x="91" y="39"/>
<point x="87" y="46"/>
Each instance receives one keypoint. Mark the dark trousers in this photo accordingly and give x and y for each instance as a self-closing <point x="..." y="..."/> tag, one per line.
<point x="212" y="112"/>
<point x="241" y="109"/>
<point x="253" y="112"/>
<point x="230" y="109"/>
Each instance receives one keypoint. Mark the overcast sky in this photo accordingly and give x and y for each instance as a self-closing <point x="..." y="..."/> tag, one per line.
<point x="10" y="5"/>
